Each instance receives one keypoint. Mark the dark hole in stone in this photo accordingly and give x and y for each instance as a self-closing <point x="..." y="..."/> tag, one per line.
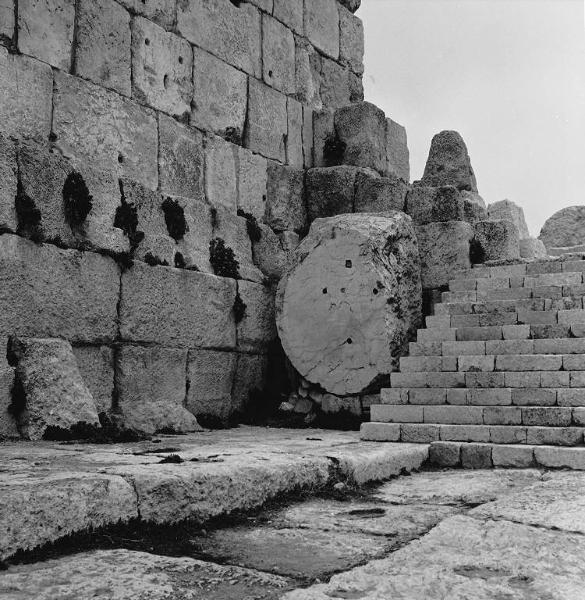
<point x="120" y="158"/>
<point x="77" y="201"/>
<point x="28" y="216"/>
<point x="324" y="290"/>
<point x="180" y="60"/>
<point x="333" y="151"/>
<point x="349" y="341"/>
<point x="348" y="264"/>
<point x="476" y="252"/>
<point x="154" y="261"/>
<point x="375" y="292"/>
<point x="371" y="513"/>
<point x="236" y="3"/>
<point x="252" y="227"/>
<point x="166" y="81"/>
<point x="270" y="73"/>
<point x="180" y="261"/>
<point x="343" y="290"/>
<point x="147" y="42"/>
<point x="126" y="219"/>
<point x="239" y="308"/>
<point x="223" y="260"/>
<point x="174" y="219"/>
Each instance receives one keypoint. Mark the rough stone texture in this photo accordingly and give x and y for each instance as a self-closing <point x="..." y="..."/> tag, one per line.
<point x="307" y="73"/>
<point x="210" y="375"/>
<point x="162" y="68"/>
<point x="7" y="19"/>
<point x="397" y="153"/>
<point x="96" y="365"/>
<point x="278" y="51"/>
<point x="362" y="128"/>
<point x="506" y="210"/>
<point x="159" y="11"/>
<point x="101" y="127"/>
<point x="151" y="388"/>
<point x="378" y="194"/>
<point x="249" y="380"/>
<point x="25" y="96"/>
<point x="126" y="575"/>
<point x="330" y="191"/>
<point x="8" y="183"/>
<point x="352" y="301"/>
<point x="219" y="96"/>
<point x="8" y="427"/>
<point x="437" y="204"/>
<point x="322" y="26"/>
<point x="351" y="41"/>
<point x="53" y="292"/>
<point x="335" y="88"/>
<point x="532" y="248"/>
<point x="498" y="239"/>
<point x="102" y="51"/>
<point x="307" y="135"/>
<point x="351" y="5"/>
<point x="252" y="183"/>
<point x="230" y="32"/>
<point x="449" y="163"/>
<point x="178" y="308"/>
<point x="54" y="392"/>
<point x="294" y="139"/>
<point x="267" y="121"/>
<point x="444" y="250"/>
<point x="221" y="180"/>
<point x="290" y="12"/>
<point x="257" y="329"/>
<point x="45" y="30"/>
<point x="565" y="228"/>
<point x="285" y="204"/>
<point x="180" y="160"/>
<point x="269" y="254"/>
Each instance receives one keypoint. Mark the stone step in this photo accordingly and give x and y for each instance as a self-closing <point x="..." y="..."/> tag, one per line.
<point x="500" y="332"/>
<point x="540" y="267"/>
<point x="426" y="433"/>
<point x="521" y="395"/>
<point x="470" y="455"/>
<point x="522" y="293"/>
<point x="487" y="380"/>
<point x="524" y="281"/>
<point x="490" y="307"/>
<point x="524" y="416"/>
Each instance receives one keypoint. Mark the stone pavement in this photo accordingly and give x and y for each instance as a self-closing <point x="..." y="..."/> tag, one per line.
<point x="458" y="534"/>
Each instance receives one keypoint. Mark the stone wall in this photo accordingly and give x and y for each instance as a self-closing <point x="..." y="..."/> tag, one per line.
<point x="152" y="164"/>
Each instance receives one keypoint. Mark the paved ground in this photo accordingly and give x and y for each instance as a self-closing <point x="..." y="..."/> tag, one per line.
<point x="457" y="535"/>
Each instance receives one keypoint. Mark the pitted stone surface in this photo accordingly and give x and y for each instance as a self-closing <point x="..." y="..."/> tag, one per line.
<point x="564" y="228"/>
<point x="506" y="210"/>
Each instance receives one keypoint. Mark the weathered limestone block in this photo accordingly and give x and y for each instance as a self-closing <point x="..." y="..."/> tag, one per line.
<point x="53" y="292"/>
<point x="356" y="87"/>
<point x="285" y="204"/>
<point x="352" y="302"/>
<point x="498" y="239"/>
<point x="96" y="365"/>
<point x="159" y="11"/>
<point x="397" y="153"/>
<point x="322" y="26"/>
<point x="267" y="121"/>
<point x="351" y="41"/>
<point x="307" y="137"/>
<point x="362" y="128"/>
<point x="307" y="73"/>
<point x="194" y="246"/>
<point x="565" y="228"/>
<point x="449" y="163"/>
<point x="45" y="30"/>
<point x="335" y="89"/>
<point x="8" y="183"/>
<point x="102" y="127"/>
<point x="437" y="204"/>
<point x="25" y="96"/>
<point x="532" y="248"/>
<point x="290" y="12"/>
<point x="257" y="329"/>
<point x="151" y="384"/>
<point x="506" y="210"/>
<point x="162" y="68"/>
<point x="7" y="19"/>
<point x="351" y="5"/>
<point x="54" y="394"/>
<point x="219" y="96"/>
<point x="8" y="427"/>
<point x="272" y="253"/>
<point x="45" y="177"/>
<point x="294" y="139"/>
<point x="324" y="138"/>
<point x="378" y="194"/>
<point x="230" y="32"/>
<point x="252" y="183"/>
<point x="177" y="307"/>
<point x="180" y="160"/>
<point x="210" y="374"/>
<point x="249" y="381"/>
<point x="102" y="51"/>
<point x="278" y="52"/>
<point x="221" y="179"/>
<point x="444" y="249"/>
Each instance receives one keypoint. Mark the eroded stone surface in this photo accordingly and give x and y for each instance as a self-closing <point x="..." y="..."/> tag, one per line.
<point x="96" y="365"/>
<point x="278" y="51"/>
<point x="498" y="239"/>
<point x="507" y="210"/>
<point x="565" y="228"/>
<point x="8" y="183"/>
<point x="322" y="26"/>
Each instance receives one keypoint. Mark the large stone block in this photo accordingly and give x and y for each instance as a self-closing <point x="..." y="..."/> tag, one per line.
<point x="25" y="96"/>
<point x="285" y="203"/>
<point x="307" y="137"/>
<point x="307" y="73"/>
<point x="102" y="51"/>
<point x="8" y="427"/>
<point x="160" y="11"/>
<point x="151" y="385"/>
<point x="444" y="250"/>
<point x="335" y="84"/>
<point x="210" y="374"/>
<point x="8" y="183"/>
<point x="437" y="204"/>
<point x="45" y="30"/>
<point x="327" y="152"/>
<point x="270" y="255"/>
<point x="290" y="12"/>
<point x="180" y="160"/>
<point x="96" y="365"/>
<point x="162" y="68"/>
<point x="565" y="228"/>
<point x="532" y="248"/>
<point x="322" y="26"/>
<point x="294" y="138"/>
<point x="220" y="95"/>
<point x="257" y="328"/>
<point x="397" y="153"/>
<point x="378" y="194"/>
<point x="230" y="32"/>
<point x="177" y="307"/>
<point x="352" y="301"/>
<point x="449" y="163"/>
<point x="351" y="41"/>
<point x="102" y="127"/>
<point x="498" y="239"/>
<point x="7" y="19"/>
<point x="362" y="129"/>
<point x="53" y="292"/>
<point x="252" y="183"/>
<point x="221" y="179"/>
<point x="267" y="127"/>
<point x="249" y="381"/>
<point x="278" y="55"/>
<point x="47" y="179"/>
<point x="54" y="394"/>
<point x="506" y="210"/>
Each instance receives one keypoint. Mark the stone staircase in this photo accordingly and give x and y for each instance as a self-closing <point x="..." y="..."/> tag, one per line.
<point x="497" y="377"/>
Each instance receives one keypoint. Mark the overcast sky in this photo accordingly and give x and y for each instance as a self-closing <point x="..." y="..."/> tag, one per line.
<point x="509" y="75"/>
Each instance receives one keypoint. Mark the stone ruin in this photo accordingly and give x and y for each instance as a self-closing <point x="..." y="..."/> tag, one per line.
<point x="202" y="220"/>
